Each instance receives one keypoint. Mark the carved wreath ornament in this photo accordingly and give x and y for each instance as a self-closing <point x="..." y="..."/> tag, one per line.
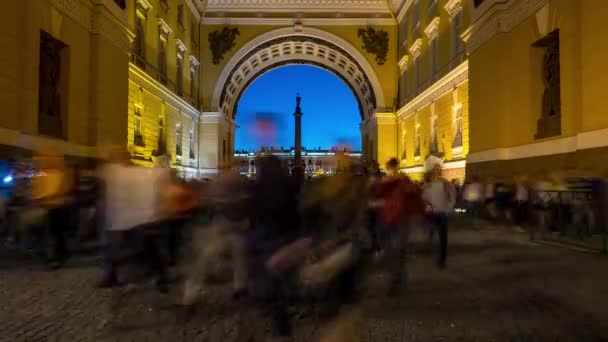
<point x="221" y="42"/>
<point x="375" y="42"/>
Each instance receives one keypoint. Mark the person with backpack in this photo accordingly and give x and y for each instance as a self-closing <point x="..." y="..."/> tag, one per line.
<point x="439" y="195"/>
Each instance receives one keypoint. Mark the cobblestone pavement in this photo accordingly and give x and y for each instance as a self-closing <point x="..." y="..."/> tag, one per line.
<point x="497" y="287"/>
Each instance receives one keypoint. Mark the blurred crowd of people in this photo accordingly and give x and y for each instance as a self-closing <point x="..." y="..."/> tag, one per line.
<point x="278" y="236"/>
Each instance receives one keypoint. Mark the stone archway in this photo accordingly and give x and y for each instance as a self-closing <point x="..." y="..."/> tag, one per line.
<point x="306" y="46"/>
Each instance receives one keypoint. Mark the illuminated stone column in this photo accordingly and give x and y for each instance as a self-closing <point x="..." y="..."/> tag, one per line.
<point x="109" y="74"/>
<point x="381" y="137"/>
<point x="298" y="133"/>
<point x="209" y="143"/>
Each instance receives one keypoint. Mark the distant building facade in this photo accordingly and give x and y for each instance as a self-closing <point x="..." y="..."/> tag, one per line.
<point x="316" y="162"/>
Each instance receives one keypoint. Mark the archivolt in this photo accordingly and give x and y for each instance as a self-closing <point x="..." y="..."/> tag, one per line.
<point x="297" y="49"/>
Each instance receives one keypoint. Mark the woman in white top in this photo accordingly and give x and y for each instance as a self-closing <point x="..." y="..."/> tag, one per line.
<point x="439" y="194"/>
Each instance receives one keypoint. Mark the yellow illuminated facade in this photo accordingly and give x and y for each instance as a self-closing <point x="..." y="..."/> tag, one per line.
<point x="165" y="76"/>
<point x="433" y="113"/>
<point x="537" y="82"/>
<point x="63" y="81"/>
<point x="164" y="85"/>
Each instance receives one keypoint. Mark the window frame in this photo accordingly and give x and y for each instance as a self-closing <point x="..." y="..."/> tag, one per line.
<point x="178" y="140"/>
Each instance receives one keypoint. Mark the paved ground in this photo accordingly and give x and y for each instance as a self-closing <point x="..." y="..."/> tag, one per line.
<point x="498" y="287"/>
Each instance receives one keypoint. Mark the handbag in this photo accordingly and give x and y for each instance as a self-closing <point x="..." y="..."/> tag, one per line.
<point x="322" y="272"/>
<point x="289" y="256"/>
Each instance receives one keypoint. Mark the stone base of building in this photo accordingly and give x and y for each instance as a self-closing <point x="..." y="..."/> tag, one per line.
<point x="587" y="162"/>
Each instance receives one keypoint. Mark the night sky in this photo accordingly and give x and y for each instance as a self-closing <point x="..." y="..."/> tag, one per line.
<point x="331" y="113"/>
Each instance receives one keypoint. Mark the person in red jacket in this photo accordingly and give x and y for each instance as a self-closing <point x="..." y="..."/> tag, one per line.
<point x="402" y="205"/>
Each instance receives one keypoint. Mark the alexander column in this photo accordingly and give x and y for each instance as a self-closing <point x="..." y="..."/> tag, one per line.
<point x="298" y="136"/>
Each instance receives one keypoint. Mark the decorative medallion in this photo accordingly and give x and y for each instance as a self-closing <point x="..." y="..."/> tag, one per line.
<point x="221" y="42"/>
<point x="375" y="42"/>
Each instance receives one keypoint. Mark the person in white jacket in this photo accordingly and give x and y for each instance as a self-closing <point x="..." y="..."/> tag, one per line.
<point x="439" y="195"/>
<point x="131" y="201"/>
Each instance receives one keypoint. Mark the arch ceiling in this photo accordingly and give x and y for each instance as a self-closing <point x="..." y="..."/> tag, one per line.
<point x="300" y="6"/>
<point x="311" y="46"/>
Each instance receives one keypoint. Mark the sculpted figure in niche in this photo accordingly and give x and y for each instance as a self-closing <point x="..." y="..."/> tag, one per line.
<point x="50" y="64"/>
<point x="551" y="95"/>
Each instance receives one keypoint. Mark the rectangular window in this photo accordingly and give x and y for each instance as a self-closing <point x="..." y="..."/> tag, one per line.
<point x="457" y="127"/>
<point x="140" y="38"/>
<point x="416" y="14"/>
<point x="179" y="79"/>
<point x="180" y="16"/>
<point x="434" y="133"/>
<point x="191" y="142"/>
<point x="161" y="148"/>
<point x="178" y="140"/>
<point x="434" y="57"/>
<point x="53" y="87"/>
<point x="164" y="4"/>
<point x="193" y="34"/>
<point x="194" y="83"/>
<point x="162" y="59"/>
<point x="417" y="72"/>
<point x="121" y="3"/>
<point x="457" y="47"/>
<point x="138" y="137"/>
<point x="403" y="87"/>
<point x="417" y="139"/>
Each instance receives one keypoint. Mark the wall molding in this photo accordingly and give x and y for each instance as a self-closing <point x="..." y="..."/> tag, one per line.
<point x="446" y="84"/>
<point x="499" y="16"/>
<point x="19" y="139"/>
<point x="112" y="28"/>
<point x="300" y="6"/>
<point x="75" y="10"/>
<point x="256" y="55"/>
<point x="581" y="141"/>
<point x="453" y="7"/>
<point x="141" y="78"/>
<point x="302" y="21"/>
<point x="403" y="10"/>
<point x="432" y="30"/>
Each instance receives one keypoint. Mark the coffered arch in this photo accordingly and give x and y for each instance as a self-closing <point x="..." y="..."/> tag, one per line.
<point x="307" y="46"/>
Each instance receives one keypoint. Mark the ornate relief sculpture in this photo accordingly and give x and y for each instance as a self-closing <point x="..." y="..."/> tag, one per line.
<point x="549" y="123"/>
<point x="221" y="42"/>
<point x="49" y="98"/>
<point x="375" y="42"/>
<point x="551" y="95"/>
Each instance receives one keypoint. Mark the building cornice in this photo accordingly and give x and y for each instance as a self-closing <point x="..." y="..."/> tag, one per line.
<point x="403" y="10"/>
<point x="448" y="83"/>
<point x="146" y="5"/>
<point x="19" y="139"/>
<point x="499" y="16"/>
<point x="385" y="118"/>
<point x="194" y="61"/>
<point x="74" y="10"/>
<point x="453" y="7"/>
<point x="141" y="78"/>
<point x="299" y="6"/>
<point x="415" y="48"/>
<point x="432" y="30"/>
<point x="581" y="141"/>
<point x="194" y="10"/>
<point x="211" y="117"/>
<point x="181" y="47"/>
<point x="164" y="27"/>
<point x="403" y="63"/>
<point x="301" y="21"/>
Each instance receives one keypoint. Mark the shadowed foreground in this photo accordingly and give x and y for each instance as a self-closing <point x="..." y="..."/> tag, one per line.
<point x="498" y="287"/>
